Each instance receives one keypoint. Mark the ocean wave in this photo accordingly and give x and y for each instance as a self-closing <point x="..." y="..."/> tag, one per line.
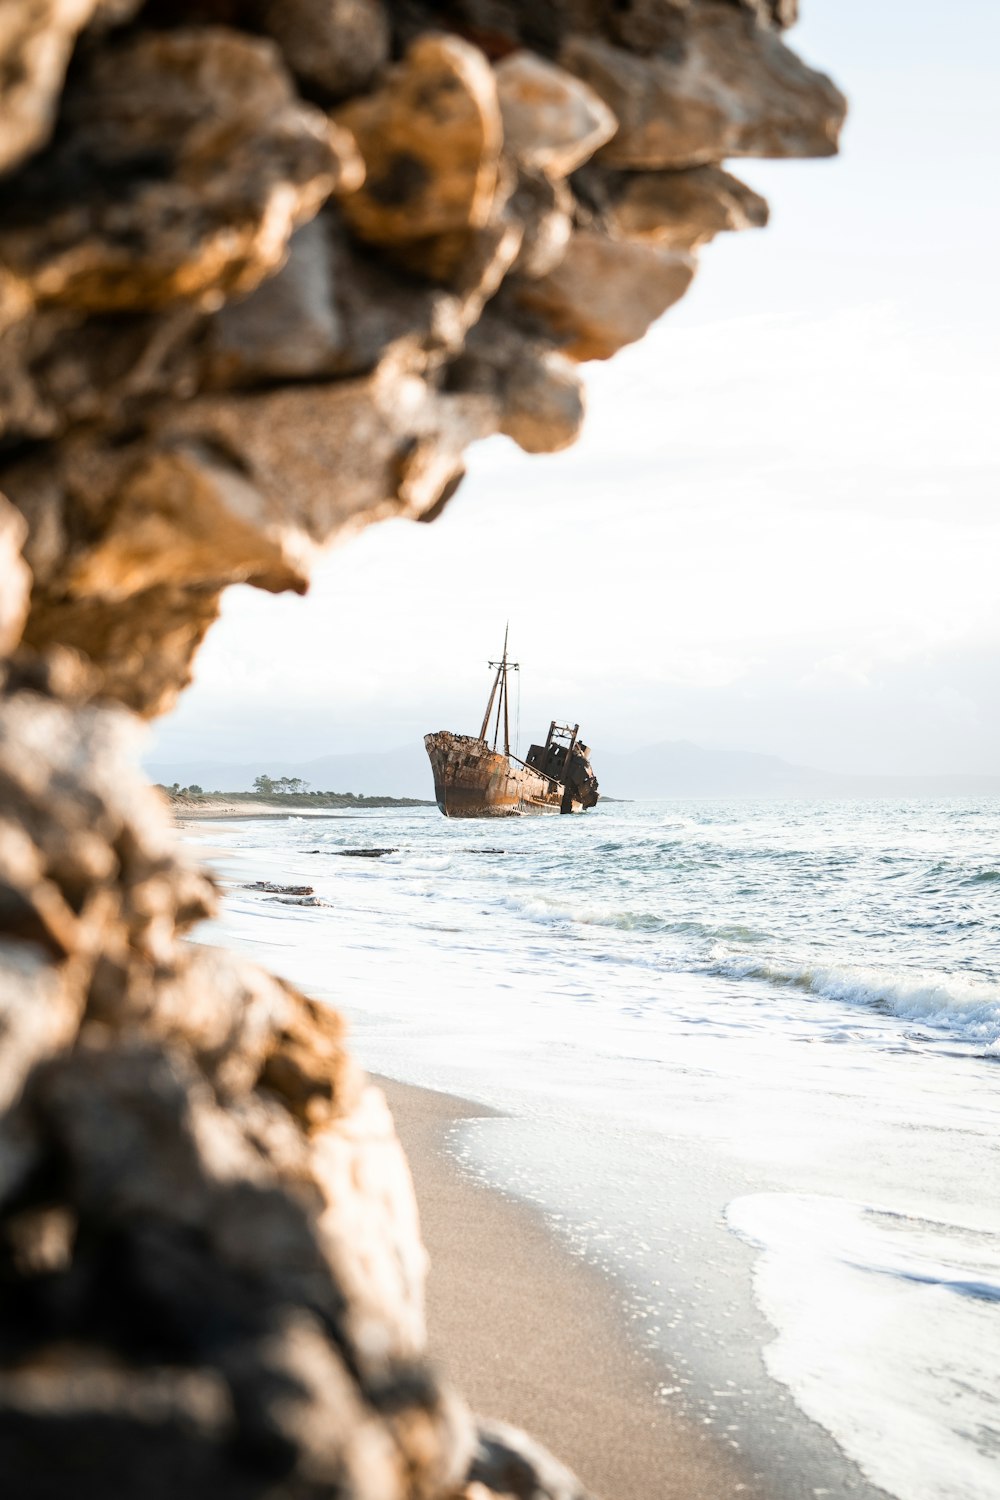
<point x="906" y="1384"/>
<point x="966" y="1008"/>
<point x="560" y="911"/>
<point x="417" y="862"/>
<point x="626" y="919"/>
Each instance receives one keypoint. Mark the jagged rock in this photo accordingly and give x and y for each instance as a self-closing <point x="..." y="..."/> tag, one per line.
<point x="35" y="44"/>
<point x="335" y="310"/>
<point x="782" y="13"/>
<point x="14" y="575"/>
<point x="544" y="208"/>
<point x="141" y="648"/>
<point x="221" y="345"/>
<point x="24" y="411"/>
<point x="552" y="122"/>
<point x="731" y="89"/>
<point x="337" y="46"/>
<point x="430" y="139"/>
<point x="543" y="403"/>
<point x="604" y="294"/>
<point x="231" y="1224"/>
<point x="289" y="327"/>
<point x="324" y="454"/>
<point x="135" y="207"/>
<point x="279" y="890"/>
<point x="539" y="392"/>
<point x="678" y="210"/>
<point x="364" y="853"/>
<point x="508" y="1465"/>
<point x="299" y="901"/>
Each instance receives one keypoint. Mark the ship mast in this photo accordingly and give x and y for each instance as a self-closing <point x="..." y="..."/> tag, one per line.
<point x="503" y="705"/>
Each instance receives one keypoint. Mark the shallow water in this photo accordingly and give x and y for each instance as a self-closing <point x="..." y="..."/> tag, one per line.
<point x="751" y="1056"/>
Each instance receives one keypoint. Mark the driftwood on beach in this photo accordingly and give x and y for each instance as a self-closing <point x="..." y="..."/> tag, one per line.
<point x="266" y="270"/>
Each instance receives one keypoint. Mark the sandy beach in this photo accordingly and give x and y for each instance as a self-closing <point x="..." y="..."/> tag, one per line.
<point x="205" y="811"/>
<point x="684" y="1231"/>
<point x="536" y="1337"/>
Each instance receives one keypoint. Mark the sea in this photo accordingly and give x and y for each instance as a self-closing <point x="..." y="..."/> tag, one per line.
<point x="743" y="1056"/>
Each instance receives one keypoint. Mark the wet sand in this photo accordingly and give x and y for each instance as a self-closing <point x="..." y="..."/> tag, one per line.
<point x="534" y="1336"/>
<point x="208" y="811"/>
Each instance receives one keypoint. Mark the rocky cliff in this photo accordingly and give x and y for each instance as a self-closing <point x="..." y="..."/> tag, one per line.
<point x="267" y="267"/>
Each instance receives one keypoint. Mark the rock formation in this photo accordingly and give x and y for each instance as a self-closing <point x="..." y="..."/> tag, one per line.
<point x="267" y="267"/>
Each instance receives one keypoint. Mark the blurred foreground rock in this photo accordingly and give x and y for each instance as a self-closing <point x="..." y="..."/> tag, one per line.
<point x="266" y="270"/>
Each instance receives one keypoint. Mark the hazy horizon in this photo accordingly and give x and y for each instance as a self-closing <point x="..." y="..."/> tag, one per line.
<point x="670" y="769"/>
<point x="779" y="531"/>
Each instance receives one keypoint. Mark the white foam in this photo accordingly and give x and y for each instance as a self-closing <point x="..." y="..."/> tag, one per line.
<point x="887" y="1333"/>
<point x="967" y="1008"/>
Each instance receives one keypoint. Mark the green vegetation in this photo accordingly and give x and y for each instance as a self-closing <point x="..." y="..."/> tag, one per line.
<point x="275" y="791"/>
<point x="267" y="786"/>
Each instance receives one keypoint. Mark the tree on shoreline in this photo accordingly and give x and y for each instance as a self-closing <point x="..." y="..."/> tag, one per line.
<point x="269" y="786"/>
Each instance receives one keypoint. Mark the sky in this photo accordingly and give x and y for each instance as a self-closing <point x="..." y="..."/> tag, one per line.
<point x="779" y="532"/>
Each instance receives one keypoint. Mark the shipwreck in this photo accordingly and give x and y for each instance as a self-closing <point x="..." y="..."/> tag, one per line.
<point x="475" y="779"/>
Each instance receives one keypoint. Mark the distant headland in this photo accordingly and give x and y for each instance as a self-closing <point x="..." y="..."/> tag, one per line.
<point x="272" y="797"/>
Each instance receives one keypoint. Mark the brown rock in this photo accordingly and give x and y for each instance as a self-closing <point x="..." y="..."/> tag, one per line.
<point x="781" y="13"/>
<point x="510" y="1466"/>
<point x="681" y="210"/>
<point x="551" y="121"/>
<point x="289" y="327"/>
<point x="14" y="575"/>
<point x="604" y="294"/>
<point x="472" y="261"/>
<point x="36" y="39"/>
<point x="181" y="103"/>
<point x="24" y="410"/>
<point x="732" y="89"/>
<point x="222" y="1170"/>
<point x="186" y="516"/>
<point x="338" y="46"/>
<point x="539" y="392"/>
<point x="211" y="365"/>
<point x="544" y="209"/>
<point x="341" y="451"/>
<point x="430" y="138"/>
<point x="140" y="649"/>
<point x="642" y="26"/>
<point x="544" y="404"/>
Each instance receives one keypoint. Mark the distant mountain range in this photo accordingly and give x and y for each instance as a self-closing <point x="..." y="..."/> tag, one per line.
<point x="673" y="768"/>
<point x="677" y="768"/>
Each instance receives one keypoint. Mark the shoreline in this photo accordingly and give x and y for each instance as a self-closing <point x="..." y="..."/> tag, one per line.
<point x="232" y="807"/>
<point x="534" y="1336"/>
<point x="667" y="1200"/>
<point x="235" y="811"/>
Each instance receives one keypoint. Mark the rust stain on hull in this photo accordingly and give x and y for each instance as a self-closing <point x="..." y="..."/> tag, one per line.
<point x="473" y="781"/>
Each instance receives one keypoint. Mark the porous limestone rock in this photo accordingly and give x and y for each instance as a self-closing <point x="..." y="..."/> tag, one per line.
<point x="729" y="88"/>
<point x="36" y="40"/>
<point x="335" y="46"/>
<point x="14" y="576"/>
<point x="234" y="326"/>
<point x="552" y="122"/>
<point x="266" y="270"/>
<point x="511" y="1466"/>
<point x="430" y="139"/>
<point x="678" y="210"/>
<point x="203" y="1205"/>
<point x="604" y="293"/>
<point x="186" y="165"/>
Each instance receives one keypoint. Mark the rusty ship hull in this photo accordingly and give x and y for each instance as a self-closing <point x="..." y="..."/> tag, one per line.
<point x="473" y="781"/>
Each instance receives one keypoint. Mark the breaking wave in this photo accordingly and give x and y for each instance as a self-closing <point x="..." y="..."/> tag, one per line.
<point x="967" y="1008"/>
